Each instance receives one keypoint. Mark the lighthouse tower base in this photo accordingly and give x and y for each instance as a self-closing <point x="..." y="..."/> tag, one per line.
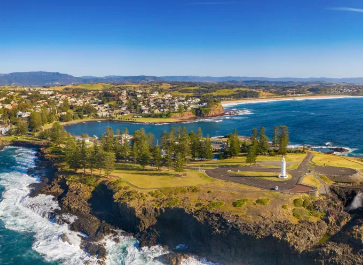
<point x="283" y="174"/>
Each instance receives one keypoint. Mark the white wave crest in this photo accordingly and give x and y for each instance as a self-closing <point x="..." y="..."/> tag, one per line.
<point x="56" y="242"/>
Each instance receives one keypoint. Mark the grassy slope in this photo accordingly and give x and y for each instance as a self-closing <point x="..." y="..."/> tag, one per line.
<point x="337" y="161"/>
<point x="98" y="86"/>
<point x="241" y="161"/>
<point x="311" y="181"/>
<point x="154" y="179"/>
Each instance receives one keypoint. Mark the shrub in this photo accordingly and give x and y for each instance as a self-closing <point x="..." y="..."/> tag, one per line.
<point x="240" y="203"/>
<point x="214" y="205"/>
<point x="306" y="203"/>
<point x="194" y="189"/>
<point x="173" y="202"/>
<point x="298" y="202"/>
<point x="263" y="201"/>
<point x="301" y="213"/>
<point x="285" y="206"/>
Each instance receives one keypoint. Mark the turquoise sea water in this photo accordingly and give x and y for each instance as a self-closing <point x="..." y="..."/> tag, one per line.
<point x="319" y="122"/>
<point x="28" y="236"/>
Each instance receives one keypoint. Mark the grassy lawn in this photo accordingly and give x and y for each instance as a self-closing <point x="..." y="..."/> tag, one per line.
<point x="151" y="178"/>
<point x="311" y="181"/>
<point x="226" y="92"/>
<point x="98" y="86"/>
<point x="272" y="176"/>
<point x="337" y="161"/>
<point x="327" y="180"/>
<point x="20" y="138"/>
<point x="241" y="161"/>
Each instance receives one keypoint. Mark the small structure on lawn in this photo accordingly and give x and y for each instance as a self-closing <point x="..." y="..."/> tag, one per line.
<point x="283" y="174"/>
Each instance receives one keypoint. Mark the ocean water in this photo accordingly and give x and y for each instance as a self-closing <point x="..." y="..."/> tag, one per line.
<point x="28" y="236"/>
<point x="320" y="122"/>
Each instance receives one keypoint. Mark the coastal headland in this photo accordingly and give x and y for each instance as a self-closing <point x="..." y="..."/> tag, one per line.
<point x="224" y="221"/>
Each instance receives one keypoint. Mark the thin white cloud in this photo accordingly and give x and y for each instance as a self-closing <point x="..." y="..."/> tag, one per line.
<point x="349" y="9"/>
<point x="210" y="3"/>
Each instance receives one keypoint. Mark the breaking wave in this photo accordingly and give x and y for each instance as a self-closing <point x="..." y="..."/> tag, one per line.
<point x="22" y="213"/>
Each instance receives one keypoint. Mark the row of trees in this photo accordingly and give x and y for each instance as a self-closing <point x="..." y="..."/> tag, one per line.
<point x="260" y="143"/>
<point x="176" y="147"/>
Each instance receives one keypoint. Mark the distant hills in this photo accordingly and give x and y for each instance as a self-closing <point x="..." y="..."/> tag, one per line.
<point x="55" y="78"/>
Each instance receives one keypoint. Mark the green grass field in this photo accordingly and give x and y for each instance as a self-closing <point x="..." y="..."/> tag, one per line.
<point x="97" y="86"/>
<point x="151" y="178"/>
<point x="241" y="161"/>
<point x="337" y="161"/>
<point x="311" y="181"/>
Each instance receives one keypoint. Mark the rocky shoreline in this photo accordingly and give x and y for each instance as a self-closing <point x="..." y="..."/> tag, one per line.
<point x="222" y="238"/>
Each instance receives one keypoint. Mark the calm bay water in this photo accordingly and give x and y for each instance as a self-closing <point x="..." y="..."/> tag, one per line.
<point x="319" y="122"/>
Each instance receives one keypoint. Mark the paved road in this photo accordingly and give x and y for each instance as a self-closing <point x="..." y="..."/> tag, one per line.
<point x="222" y="173"/>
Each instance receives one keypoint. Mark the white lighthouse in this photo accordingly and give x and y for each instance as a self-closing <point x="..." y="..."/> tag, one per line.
<point x="283" y="174"/>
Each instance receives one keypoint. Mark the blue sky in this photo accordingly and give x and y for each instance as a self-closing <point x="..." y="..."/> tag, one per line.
<point x="273" y="38"/>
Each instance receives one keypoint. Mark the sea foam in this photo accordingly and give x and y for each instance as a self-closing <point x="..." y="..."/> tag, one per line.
<point x="22" y="213"/>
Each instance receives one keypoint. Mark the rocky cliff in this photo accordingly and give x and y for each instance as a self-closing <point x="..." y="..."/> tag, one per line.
<point x="210" y="111"/>
<point x="221" y="237"/>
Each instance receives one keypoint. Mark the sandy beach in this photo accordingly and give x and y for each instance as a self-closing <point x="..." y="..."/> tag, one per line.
<point x="259" y="100"/>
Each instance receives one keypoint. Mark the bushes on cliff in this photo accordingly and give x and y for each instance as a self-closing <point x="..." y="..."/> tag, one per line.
<point x="240" y="203"/>
<point x="263" y="201"/>
<point x="171" y="192"/>
<point x="301" y="213"/>
<point x="307" y="204"/>
<point x="173" y="202"/>
<point x="214" y="205"/>
<point x="298" y="202"/>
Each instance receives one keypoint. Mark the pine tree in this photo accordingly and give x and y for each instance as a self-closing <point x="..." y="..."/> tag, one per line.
<point x="21" y="127"/>
<point x="108" y="162"/>
<point x="169" y="158"/>
<point x="84" y="155"/>
<point x="209" y="149"/>
<point x="179" y="163"/>
<point x="193" y="145"/>
<point x="244" y="147"/>
<point x="184" y="146"/>
<point x="263" y="142"/>
<point x="275" y="136"/>
<point x="233" y="144"/>
<point x="93" y="157"/>
<point x="236" y="143"/>
<point x="164" y="140"/>
<point x="254" y="133"/>
<point x="283" y="140"/>
<point x="144" y="160"/>
<point x="252" y="152"/>
<point x="108" y="140"/>
<point x="72" y="152"/>
<point x="125" y="150"/>
<point x="199" y="133"/>
<point x="57" y="133"/>
<point x="35" y="121"/>
<point x="44" y="116"/>
<point x="157" y="157"/>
